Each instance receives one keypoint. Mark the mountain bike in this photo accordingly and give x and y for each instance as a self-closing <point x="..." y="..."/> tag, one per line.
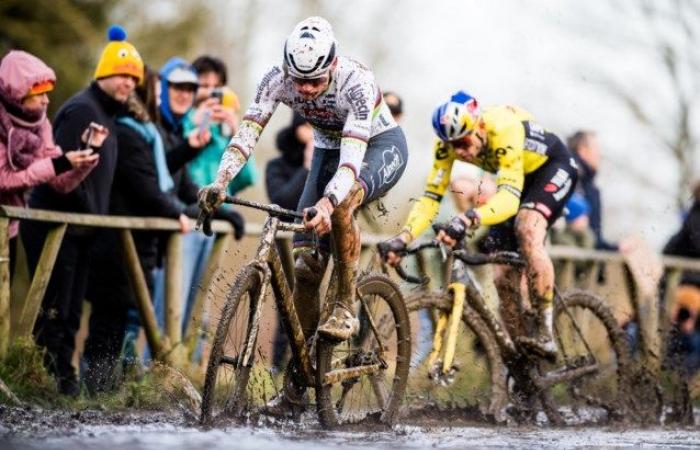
<point x="362" y="379"/>
<point x="589" y="375"/>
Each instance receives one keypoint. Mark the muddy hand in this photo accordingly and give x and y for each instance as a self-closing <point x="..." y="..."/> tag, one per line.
<point x="321" y="221"/>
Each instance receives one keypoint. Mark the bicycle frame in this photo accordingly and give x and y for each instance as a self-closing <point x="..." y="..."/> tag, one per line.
<point x="475" y="304"/>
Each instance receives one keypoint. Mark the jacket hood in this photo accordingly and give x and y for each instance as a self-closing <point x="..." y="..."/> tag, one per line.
<point x="165" y="111"/>
<point x="19" y="71"/>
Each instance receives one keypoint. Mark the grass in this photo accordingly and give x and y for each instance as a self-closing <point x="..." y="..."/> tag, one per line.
<point x="23" y="371"/>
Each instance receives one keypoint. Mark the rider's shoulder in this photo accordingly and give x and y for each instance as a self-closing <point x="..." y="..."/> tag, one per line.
<point x="349" y="68"/>
<point x="501" y="118"/>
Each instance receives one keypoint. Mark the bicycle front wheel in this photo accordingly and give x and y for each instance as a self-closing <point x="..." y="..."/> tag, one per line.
<point x="227" y="376"/>
<point x="365" y="377"/>
<point x="481" y="382"/>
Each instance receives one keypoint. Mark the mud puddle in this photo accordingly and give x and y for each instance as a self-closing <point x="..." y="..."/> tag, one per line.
<point x="37" y="429"/>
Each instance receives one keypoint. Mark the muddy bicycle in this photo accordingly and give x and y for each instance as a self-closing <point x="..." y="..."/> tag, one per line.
<point x="362" y="379"/>
<point x="588" y="378"/>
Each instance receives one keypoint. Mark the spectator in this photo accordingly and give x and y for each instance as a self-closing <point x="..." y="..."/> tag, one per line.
<point x="586" y="149"/>
<point x="218" y="107"/>
<point x="28" y="155"/>
<point x="142" y="187"/>
<point x="395" y="104"/>
<point x="285" y="175"/>
<point x="118" y="71"/>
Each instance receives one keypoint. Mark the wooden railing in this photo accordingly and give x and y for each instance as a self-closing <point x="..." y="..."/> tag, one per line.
<point x="169" y="346"/>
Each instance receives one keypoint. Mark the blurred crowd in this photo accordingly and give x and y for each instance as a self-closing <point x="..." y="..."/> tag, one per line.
<point x="141" y="142"/>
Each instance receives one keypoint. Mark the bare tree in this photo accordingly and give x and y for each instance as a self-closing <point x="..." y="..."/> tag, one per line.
<point x="672" y="28"/>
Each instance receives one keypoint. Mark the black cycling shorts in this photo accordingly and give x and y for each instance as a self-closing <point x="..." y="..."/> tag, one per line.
<point x="546" y="190"/>
<point x="384" y="162"/>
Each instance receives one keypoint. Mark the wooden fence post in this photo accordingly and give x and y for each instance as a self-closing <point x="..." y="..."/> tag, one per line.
<point x="644" y="270"/>
<point x="42" y="276"/>
<point x="173" y="294"/>
<point x="4" y="286"/>
<point x="203" y="290"/>
<point x="143" y="296"/>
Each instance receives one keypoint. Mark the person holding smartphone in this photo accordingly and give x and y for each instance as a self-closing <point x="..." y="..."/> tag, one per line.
<point x="28" y="154"/>
<point x="118" y="71"/>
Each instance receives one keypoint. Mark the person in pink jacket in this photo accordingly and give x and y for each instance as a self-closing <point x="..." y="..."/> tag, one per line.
<point x="28" y="155"/>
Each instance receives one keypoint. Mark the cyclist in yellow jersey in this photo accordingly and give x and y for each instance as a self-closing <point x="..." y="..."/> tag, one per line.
<point x="535" y="176"/>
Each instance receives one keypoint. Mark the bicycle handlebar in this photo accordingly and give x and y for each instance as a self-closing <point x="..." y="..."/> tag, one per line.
<point x="470" y="259"/>
<point x="204" y="219"/>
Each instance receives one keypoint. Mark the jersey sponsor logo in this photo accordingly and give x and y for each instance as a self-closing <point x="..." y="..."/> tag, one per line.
<point x="357" y="102"/>
<point x="535" y="130"/>
<point x="563" y="191"/>
<point x="393" y="161"/>
<point x="560" y="178"/>
<point x="265" y="82"/>
<point x="437" y="179"/>
<point x="535" y="146"/>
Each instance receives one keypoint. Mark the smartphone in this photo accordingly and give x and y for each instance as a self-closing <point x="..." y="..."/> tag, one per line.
<point x="91" y="129"/>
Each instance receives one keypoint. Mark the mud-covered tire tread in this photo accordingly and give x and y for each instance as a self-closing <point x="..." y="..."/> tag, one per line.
<point x="497" y="369"/>
<point x="616" y="335"/>
<point x="381" y="285"/>
<point x="247" y="280"/>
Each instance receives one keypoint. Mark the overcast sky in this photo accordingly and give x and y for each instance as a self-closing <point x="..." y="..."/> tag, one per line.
<point x="546" y="56"/>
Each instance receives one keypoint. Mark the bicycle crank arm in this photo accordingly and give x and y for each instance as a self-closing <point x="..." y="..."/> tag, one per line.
<point x="564" y="375"/>
<point x="339" y="375"/>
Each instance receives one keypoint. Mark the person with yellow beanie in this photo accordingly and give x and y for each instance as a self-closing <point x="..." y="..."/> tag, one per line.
<point x="118" y="71"/>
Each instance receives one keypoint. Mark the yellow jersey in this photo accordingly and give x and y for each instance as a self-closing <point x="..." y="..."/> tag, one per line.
<point x="515" y="146"/>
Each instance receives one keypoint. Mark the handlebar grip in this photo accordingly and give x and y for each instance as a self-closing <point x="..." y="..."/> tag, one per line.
<point x="311" y="213"/>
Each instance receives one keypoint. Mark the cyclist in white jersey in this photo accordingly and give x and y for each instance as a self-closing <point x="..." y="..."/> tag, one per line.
<point x="360" y="153"/>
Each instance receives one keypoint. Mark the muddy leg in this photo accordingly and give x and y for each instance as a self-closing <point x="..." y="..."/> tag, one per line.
<point x="346" y="238"/>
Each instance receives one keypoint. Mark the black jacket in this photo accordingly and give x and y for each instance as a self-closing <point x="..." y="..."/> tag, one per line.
<point x="588" y="188"/>
<point x="687" y="242"/>
<point x="93" y="194"/>
<point x="285" y="176"/>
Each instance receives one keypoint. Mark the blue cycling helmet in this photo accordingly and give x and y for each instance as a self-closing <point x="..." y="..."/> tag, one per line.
<point x="452" y="120"/>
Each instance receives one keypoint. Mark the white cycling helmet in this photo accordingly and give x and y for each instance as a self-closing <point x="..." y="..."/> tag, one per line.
<point x="310" y="49"/>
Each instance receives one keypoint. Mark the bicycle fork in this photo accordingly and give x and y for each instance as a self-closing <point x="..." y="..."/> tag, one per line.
<point x="446" y="329"/>
<point x="256" y="311"/>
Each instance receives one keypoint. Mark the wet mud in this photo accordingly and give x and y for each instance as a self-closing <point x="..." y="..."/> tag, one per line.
<point x="31" y="428"/>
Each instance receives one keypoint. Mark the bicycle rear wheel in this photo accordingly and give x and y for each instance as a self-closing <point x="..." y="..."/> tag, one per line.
<point x="226" y="379"/>
<point x="594" y="347"/>
<point x="481" y="382"/>
<point x="365" y="377"/>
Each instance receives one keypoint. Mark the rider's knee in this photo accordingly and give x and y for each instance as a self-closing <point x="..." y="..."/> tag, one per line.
<point x="531" y="238"/>
<point x="345" y="209"/>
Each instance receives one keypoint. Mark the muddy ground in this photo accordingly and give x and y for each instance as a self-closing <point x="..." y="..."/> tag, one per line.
<point x="35" y="428"/>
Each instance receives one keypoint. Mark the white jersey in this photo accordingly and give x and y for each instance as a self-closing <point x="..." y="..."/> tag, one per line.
<point x="345" y="116"/>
